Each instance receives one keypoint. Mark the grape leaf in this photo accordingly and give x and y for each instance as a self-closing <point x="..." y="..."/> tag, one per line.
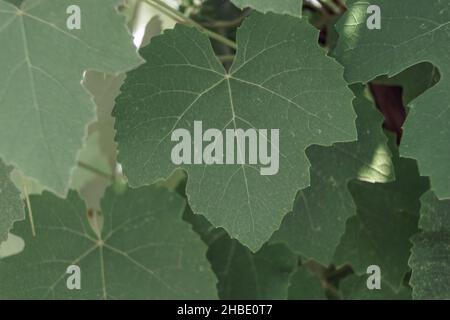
<point x="314" y="228"/>
<point x="44" y="108"/>
<point x="303" y="285"/>
<point x="292" y="7"/>
<point x="145" y="250"/>
<point x="11" y="204"/>
<point x="430" y="259"/>
<point x="409" y="34"/>
<point x="271" y="85"/>
<point x="387" y="217"/>
<point x="355" y="288"/>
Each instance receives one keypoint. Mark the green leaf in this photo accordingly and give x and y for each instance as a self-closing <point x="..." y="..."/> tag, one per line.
<point x="430" y="259"/>
<point x="271" y="85"/>
<point x="355" y="288"/>
<point x="11" y="204"/>
<point x="246" y="275"/>
<point x="243" y="274"/>
<point x="409" y="34"/>
<point x="144" y="251"/>
<point x="434" y="215"/>
<point x="314" y="228"/>
<point x="387" y="217"/>
<point x="17" y="3"/>
<point x="45" y="110"/>
<point x="304" y="285"/>
<point x="292" y="7"/>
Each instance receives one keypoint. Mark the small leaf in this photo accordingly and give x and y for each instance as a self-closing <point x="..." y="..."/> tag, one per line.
<point x="11" y="204"/>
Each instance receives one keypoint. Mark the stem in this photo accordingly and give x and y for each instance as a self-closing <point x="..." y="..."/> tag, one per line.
<point x="92" y="169"/>
<point x="30" y="212"/>
<point x="171" y="12"/>
<point x="165" y="11"/>
<point x="227" y="23"/>
<point x="226" y="58"/>
<point x="331" y="6"/>
<point x="340" y="273"/>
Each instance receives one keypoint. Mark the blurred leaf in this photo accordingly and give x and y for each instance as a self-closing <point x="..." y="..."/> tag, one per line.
<point x="430" y="259"/>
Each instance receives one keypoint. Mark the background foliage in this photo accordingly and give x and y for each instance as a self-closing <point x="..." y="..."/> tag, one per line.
<point x="365" y="167"/>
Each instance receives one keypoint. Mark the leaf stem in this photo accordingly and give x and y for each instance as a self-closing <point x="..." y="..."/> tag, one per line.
<point x="338" y="274"/>
<point x="330" y="5"/>
<point x="173" y="13"/>
<point x="227" y="23"/>
<point x="92" y="169"/>
<point x="30" y="212"/>
<point x="227" y="57"/>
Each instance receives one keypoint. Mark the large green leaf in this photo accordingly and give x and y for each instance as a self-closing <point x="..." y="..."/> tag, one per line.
<point x="430" y="259"/>
<point x="387" y="217"/>
<point x="292" y="7"/>
<point x="314" y="228"/>
<point x="11" y="204"/>
<point x="144" y="251"/>
<point x="45" y="110"/>
<point x="409" y="34"/>
<point x="281" y="79"/>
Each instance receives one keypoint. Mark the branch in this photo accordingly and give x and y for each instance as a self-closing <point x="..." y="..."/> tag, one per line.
<point x="181" y="18"/>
